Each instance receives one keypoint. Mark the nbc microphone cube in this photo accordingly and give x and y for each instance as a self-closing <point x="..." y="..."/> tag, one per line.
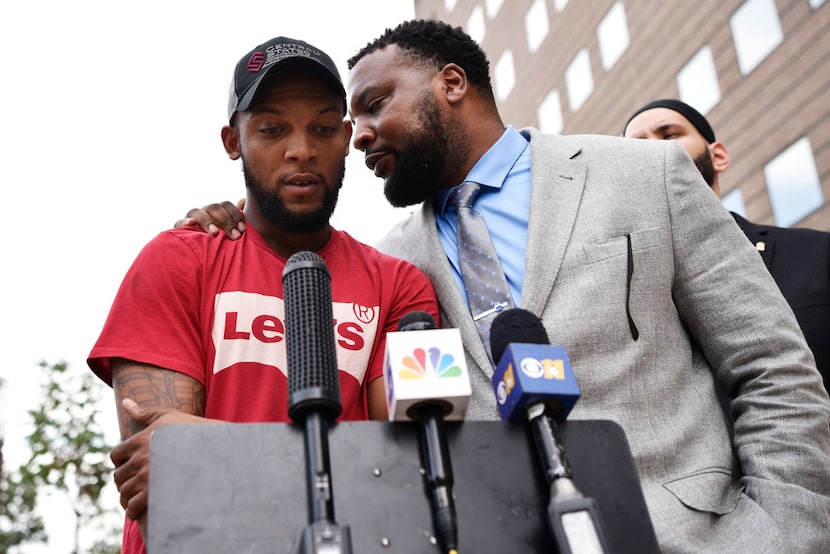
<point x="426" y="365"/>
<point x="532" y="373"/>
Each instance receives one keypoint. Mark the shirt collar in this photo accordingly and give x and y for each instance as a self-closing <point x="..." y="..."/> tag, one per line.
<point x="492" y="168"/>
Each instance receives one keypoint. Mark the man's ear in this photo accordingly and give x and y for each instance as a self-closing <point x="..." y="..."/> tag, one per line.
<point x="720" y="156"/>
<point x="454" y="82"/>
<point x="230" y="140"/>
<point x="349" y="129"/>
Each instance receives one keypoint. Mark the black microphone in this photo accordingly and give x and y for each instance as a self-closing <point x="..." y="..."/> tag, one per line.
<point x="534" y="381"/>
<point x="434" y="450"/>
<point x="417" y="321"/>
<point x="314" y="392"/>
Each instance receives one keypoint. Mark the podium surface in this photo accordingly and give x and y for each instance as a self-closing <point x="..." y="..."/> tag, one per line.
<point x="241" y="488"/>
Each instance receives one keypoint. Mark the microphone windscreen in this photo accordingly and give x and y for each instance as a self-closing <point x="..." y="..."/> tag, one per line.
<point x="515" y="325"/>
<point x="417" y="321"/>
<point x="313" y="380"/>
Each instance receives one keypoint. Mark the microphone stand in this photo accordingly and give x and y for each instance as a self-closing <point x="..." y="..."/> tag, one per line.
<point x="434" y="451"/>
<point x="438" y="476"/>
<point x="573" y="518"/>
<point x="322" y="535"/>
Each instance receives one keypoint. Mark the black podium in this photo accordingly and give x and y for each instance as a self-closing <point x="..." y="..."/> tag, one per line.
<point x="241" y="488"/>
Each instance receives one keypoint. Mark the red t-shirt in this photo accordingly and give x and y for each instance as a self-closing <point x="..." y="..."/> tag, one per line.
<point x="212" y="308"/>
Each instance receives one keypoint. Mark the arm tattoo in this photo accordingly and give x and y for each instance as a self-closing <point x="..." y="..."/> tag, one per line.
<point x="152" y="386"/>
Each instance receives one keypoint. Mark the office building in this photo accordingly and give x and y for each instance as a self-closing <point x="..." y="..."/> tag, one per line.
<point x="758" y="69"/>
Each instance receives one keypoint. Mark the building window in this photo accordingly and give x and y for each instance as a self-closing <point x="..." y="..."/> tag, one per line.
<point x="756" y="32"/>
<point x="559" y="5"/>
<point x="579" y="80"/>
<point x="613" y="35"/>
<point x="550" y="113"/>
<point x="493" y="7"/>
<point x="734" y="202"/>
<point x="793" y="184"/>
<point x="449" y="5"/>
<point x="816" y="4"/>
<point x="536" y="23"/>
<point x="476" y="26"/>
<point x="697" y="82"/>
<point x="505" y="76"/>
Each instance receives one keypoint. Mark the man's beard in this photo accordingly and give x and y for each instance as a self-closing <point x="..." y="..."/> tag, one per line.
<point x="425" y="153"/>
<point x="275" y="211"/>
<point x="704" y="165"/>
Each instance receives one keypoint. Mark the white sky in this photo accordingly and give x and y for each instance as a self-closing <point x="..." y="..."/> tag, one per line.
<point x="110" y="134"/>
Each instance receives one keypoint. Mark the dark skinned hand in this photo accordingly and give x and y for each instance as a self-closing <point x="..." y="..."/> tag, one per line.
<point x="211" y="218"/>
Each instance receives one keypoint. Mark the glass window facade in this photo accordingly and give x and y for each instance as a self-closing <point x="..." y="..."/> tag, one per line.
<point x="613" y="35"/>
<point x="756" y="32"/>
<point x="476" y="26"/>
<point x="493" y="7"/>
<point x="505" y="75"/>
<point x="579" y="80"/>
<point x="549" y="113"/>
<point x="793" y="184"/>
<point x="449" y="5"/>
<point x="536" y="23"/>
<point x="697" y="81"/>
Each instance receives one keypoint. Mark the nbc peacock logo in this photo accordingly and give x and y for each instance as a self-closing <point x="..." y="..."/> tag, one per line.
<point x="429" y="364"/>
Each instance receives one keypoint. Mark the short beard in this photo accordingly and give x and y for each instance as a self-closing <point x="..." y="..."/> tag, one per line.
<point x="420" y="165"/>
<point x="275" y="211"/>
<point x="704" y="165"/>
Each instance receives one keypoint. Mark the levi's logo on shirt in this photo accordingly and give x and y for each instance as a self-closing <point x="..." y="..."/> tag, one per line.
<point x="250" y="327"/>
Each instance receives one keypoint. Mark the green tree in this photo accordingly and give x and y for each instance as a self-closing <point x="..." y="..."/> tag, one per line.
<point x="69" y="454"/>
<point x="19" y="521"/>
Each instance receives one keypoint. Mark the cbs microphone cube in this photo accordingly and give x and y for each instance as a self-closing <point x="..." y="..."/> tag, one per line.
<point x="426" y="366"/>
<point x="531" y="373"/>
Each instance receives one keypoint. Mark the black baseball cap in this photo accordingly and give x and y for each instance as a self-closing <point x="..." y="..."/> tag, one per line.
<point x="278" y="54"/>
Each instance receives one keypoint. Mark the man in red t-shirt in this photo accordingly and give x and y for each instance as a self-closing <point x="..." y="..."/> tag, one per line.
<point x="196" y="332"/>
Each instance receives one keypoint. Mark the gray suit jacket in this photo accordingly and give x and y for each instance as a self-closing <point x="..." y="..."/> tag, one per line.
<point x="707" y="315"/>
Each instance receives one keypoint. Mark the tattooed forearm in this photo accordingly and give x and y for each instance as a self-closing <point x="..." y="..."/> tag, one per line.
<point x="152" y="386"/>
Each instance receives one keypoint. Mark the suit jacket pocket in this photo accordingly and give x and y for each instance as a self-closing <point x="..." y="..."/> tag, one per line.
<point x="709" y="490"/>
<point x="645" y="239"/>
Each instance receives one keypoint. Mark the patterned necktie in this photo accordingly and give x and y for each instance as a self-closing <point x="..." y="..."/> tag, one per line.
<point x="483" y="277"/>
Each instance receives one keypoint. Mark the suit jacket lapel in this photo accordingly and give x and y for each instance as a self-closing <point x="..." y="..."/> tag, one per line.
<point x="557" y="182"/>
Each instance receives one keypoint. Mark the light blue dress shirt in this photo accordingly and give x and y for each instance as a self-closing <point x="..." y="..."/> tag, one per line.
<point x="505" y="165"/>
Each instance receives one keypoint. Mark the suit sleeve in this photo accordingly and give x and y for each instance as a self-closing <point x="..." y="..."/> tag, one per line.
<point x="751" y="339"/>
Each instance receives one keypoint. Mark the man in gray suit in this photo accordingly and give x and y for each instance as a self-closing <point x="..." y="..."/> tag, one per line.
<point x="629" y="259"/>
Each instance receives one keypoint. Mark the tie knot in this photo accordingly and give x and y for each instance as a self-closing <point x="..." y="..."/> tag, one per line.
<point x="464" y="194"/>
